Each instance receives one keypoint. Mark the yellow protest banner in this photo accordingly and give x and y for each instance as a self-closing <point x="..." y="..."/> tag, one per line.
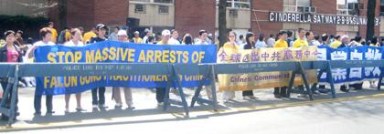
<point x="241" y="82"/>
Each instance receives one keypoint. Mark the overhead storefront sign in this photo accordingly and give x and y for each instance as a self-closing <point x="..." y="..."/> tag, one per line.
<point x="318" y="18"/>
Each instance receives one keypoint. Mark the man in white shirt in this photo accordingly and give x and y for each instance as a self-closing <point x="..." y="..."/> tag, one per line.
<point x="174" y="38"/>
<point x="203" y="39"/>
<point x="46" y="36"/>
<point x="44" y="42"/>
<point x="116" y="95"/>
<point x="147" y="34"/>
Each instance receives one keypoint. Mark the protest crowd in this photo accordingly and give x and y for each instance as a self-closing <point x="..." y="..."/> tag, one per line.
<point x="14" y="48"/>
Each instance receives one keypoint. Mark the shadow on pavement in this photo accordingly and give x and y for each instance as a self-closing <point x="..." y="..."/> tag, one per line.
<point x="177" y="112"/>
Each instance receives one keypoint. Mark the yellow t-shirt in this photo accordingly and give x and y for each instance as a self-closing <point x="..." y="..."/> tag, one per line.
<point x="67" y="36"/>
<point x="54" y="34"/>
<point x="335" y="44"/>
<point x="281" y="44"/>
<point x="230" y="49"/>
<point x="138" y="40"/>
<point x="160" y="43"/>
<point x="299" y="43"/>
<point x="88" y="36"/>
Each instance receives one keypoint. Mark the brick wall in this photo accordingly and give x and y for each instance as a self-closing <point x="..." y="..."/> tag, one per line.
<point x="261" y="24"/>
<point x="324" y="7"/>
<point x="81" y="14"/>
<point x="111" y="12"/>
<point x="363" y="12"/>
<point x="193" y="15"/>
<point x="88" y="13"/>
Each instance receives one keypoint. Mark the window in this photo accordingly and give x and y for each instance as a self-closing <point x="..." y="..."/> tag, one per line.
<point x="298" y="6"/>
<point x="139" y="8"/>
<point x="382" y="7"/>
<point x="163" y="1"/>
<point x="238" y="4"/>
<point x="233" y="13"/>
<point x="141" y="0"/>
<point x="348" y="7"/>
<point x="163" y="9"/>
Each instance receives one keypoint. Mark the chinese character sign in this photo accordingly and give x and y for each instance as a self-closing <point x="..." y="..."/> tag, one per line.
<point x="265" y="79"/>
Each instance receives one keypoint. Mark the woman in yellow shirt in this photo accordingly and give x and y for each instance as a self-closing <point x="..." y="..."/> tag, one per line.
<point x="281" y="43"/>
<point x="229" y="48"/>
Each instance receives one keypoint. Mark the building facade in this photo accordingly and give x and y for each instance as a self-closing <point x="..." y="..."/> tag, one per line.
<point x="351" y="10"/>
<point x="189" y="16"/>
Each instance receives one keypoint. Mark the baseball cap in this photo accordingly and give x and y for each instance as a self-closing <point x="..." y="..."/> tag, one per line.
<point x="344" y="37"/>
<point x="136" y="32"/>
<point x="166" y="32"/>
<point x="100" y="26"/>
<point x="122" y="33"/>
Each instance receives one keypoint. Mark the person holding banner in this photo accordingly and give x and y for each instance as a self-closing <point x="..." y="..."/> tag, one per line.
<point x="203" y="40"/>
<point x="160" y="92"/>
<point x="374" y="43"/>
<point x="46" y="36"/>
<point x="250" y="39"/>
<point x="9" y="53"/>
<point x="74" y="42"/>
<point x="281" y="44"/>
<point x="122" y="36"/>
<point x="300" y="43"/>
<point x="99" y="101"/>
<point x="324" y="42"/>
<point x="230" y="48"/>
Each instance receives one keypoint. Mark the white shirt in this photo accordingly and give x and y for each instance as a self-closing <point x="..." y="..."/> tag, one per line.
<point x="113" y="36"/>
<point x="201" y="42"/>
<point x="173" y="41"/>
<point x="72" y="44"/>
<point x="260" y="44"/>
<point x="271" y="42"/>
<point x="315" y="43"/>
<point x="354" y="44"/>
<point x="145" y="38"/>
<point x="39" y="44"/>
